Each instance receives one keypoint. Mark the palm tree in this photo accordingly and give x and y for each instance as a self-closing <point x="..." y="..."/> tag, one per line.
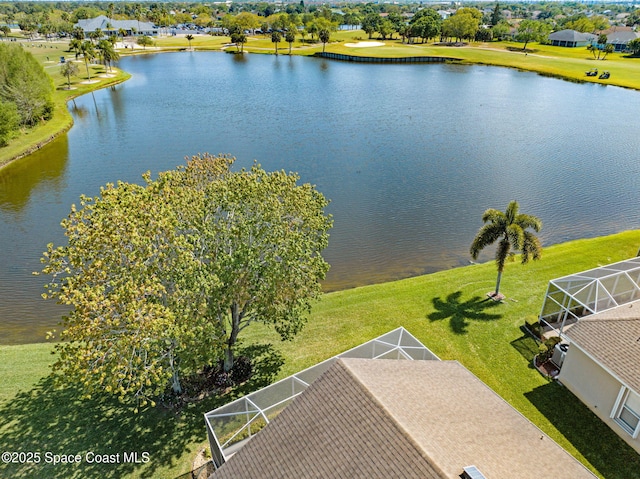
<point x="107" y="53"/>
<point x="609" y="48"/>
<point x="290" y="37"/>
<point x="510" y="229"/>
<point x="189" y="37"/>
<point x="86" y="48"/>
<point x="75" y="45"/>
<point x="96" y="35"/>
<point x="324" y="35"/>
<point x="123" y="33"/>
<point x="275" y="38"/>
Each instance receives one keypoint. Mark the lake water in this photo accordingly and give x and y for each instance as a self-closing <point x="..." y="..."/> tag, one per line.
<point x="410" y="156"/>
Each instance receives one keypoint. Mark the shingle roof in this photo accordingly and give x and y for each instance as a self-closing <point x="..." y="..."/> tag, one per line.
<point x="385" y="418"/>
<point x="571" y="36"/>
<point x="102" y="22"/>
<point x="621" y="37"/>
<point x="613" y="339"/>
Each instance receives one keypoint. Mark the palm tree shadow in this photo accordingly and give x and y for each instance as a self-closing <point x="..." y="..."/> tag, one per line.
<point x="461" y="313"/>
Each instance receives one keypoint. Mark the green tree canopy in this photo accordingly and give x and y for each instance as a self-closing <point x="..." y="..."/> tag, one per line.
<point x="9" y="121"/>
<point x="511" y="230"/>
<point x="370" y="23"/>
<point x="532" y="31"/>
<point x="24" y="83"/>
<point x="163" y="277"/>
<point x="461" y="25"/>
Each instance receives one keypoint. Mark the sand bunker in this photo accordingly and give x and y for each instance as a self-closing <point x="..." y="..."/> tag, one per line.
<point x="364" y="44"/>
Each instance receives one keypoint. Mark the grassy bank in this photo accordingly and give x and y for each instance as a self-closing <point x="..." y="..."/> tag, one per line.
<point x="447" y="311"/>
<point x="49" y="53"/>
<point x="567" y="63"/>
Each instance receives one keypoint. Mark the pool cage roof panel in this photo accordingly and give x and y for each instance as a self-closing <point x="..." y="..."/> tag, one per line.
<point x="593" y="291"/>
<point x="229" y="427"/>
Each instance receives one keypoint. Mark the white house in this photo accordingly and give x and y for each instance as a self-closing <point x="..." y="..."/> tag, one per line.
<point x="602" y="368"/>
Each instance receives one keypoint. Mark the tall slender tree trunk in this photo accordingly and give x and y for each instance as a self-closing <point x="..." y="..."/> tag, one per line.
<point x="498" y="282"/>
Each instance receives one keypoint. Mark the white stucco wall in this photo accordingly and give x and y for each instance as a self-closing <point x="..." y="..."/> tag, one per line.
<point x="595" y="387"/>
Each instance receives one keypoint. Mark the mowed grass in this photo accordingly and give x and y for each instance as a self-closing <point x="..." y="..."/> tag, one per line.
<point x="49" y="53"/>
<point x="448" y="311"/>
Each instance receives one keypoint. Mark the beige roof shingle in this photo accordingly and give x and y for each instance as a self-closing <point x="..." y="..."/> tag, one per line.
<point x="613" y="339"/>
<point x="388" y="418"/>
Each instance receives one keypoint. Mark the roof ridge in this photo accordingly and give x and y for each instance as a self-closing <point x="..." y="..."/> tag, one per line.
<point x="405" y="433"/>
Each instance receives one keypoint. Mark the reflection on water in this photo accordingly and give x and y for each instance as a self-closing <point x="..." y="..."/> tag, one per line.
<point x="409" y="155"/>
<point x="43" y="169"/>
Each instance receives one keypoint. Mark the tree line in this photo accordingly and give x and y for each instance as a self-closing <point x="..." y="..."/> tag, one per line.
<point x="59" y="18"/>
<point x="26" y="91"/>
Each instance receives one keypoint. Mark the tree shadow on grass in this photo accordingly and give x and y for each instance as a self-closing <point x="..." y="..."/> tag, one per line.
<point x="55" y="421"/>
<point x="461" y="313"/>
<point x="604" y="449"/>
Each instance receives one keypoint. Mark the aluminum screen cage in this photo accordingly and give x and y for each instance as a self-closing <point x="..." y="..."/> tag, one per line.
<point x="231" y="426"/>
<point x="572" y="297"/>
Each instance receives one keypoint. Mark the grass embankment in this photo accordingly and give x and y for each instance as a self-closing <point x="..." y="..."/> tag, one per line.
<point x="49" y="53"/>
<point x="447" y="311"/>
<point x="567" y="63"/>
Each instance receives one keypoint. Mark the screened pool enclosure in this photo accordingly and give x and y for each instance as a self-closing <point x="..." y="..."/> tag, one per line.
<point x="572" y="297"/>
<point x="230" y="427"/>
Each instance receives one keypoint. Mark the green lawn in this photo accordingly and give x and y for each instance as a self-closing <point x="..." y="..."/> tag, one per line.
<point x="447" y="311"/>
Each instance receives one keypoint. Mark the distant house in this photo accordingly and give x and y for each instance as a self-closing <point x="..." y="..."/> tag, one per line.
<point x="381" y="418"/>
<point x="571" y="38"/>
<point x="602" y="368"/>
<point x="621" y="38"/>
<point x="112" y="27"/>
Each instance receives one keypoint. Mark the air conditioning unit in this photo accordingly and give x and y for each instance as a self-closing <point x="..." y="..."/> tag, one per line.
<point x="559" y="352"/>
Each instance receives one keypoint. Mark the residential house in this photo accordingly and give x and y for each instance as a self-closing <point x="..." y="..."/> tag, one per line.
<point x="602" y="367"/>
<point x="381" y="418"/>
<point x="112" y="27"/>
<point x="571" y="38"/>
<point x="621" y="38"/>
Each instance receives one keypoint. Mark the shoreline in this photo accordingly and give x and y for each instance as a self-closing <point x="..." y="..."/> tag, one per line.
<point x="471" y="54"/>
<point x="621" y="240"/>
<point x="339" y="51"/>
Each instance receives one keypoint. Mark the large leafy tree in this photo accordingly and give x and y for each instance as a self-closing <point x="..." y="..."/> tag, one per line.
<point x="464" y="24"/>
<point x="370" y="23"/>
<point x="163" y="277"/>
<point x="130" y="276"/>
<point x="261" y="236"/>
<point x="532" y="31"/>
<point x="511" y="229"/>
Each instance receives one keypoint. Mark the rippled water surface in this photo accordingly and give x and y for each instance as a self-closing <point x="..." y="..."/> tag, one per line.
<point x="410" y="156"/>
